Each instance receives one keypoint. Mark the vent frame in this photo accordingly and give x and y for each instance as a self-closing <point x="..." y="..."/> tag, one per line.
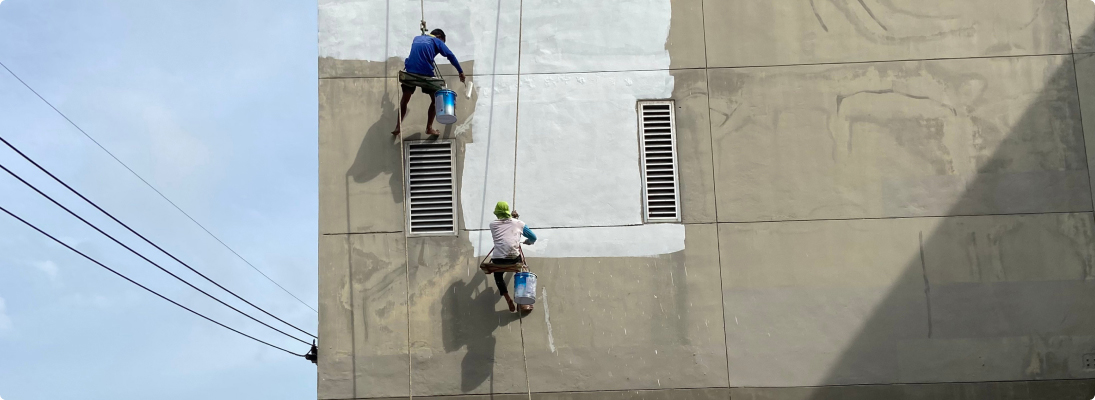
<point x="645" y="111"/>
<point x="436" y="148"/>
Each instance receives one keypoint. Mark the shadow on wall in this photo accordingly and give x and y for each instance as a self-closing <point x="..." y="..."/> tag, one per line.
<point x="366" y="165"/>
<point x="465" y="323"/>
<point x="980" y="302"/>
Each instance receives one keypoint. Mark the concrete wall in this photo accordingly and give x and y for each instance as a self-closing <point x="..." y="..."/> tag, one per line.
<point x="881" y="199"/>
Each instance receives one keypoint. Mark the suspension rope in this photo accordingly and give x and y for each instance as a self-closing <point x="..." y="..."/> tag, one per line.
<point x="422" y="3"/>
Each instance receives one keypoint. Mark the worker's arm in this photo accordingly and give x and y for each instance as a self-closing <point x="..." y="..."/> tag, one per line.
<point x="528" y="235"/>
<point x="444" y="50"/>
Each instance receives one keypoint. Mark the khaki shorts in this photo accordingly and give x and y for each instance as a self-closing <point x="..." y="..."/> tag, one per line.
<point x="429" y="84"/>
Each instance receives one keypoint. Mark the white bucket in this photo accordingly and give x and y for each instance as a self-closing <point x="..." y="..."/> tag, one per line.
<point x="445" y="102"/>
<point x="524" y="288"/>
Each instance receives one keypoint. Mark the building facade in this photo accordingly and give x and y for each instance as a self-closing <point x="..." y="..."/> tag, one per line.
<point x="776" y="199"/>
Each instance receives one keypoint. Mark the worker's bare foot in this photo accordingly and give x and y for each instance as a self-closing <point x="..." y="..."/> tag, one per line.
<point x="431" y="132"/>
<point x="512" y="307"/>
<point x="526" y="308"/>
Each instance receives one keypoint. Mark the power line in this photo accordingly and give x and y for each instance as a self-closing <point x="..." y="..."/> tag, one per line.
<point x="152" y="187"/>
<point x="140" y="285"/>
<point x="74" y="191"/>
<point x="146" y="258"/>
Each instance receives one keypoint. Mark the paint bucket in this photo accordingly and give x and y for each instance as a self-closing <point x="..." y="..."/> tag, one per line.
<point x="445" y="102"/>
<point x="524" y="288"/>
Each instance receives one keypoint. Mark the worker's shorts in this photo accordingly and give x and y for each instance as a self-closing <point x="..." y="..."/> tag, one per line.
<point x="408" y="81"/>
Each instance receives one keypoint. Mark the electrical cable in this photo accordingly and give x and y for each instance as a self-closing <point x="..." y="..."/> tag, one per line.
<point x="77" y="193"/>
<point x="140" y="285"/>
<point x="153" y="187"/>
<point x="146" y="258"/>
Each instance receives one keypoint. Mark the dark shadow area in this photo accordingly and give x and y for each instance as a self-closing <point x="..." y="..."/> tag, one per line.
<point x="367" y="164"/>
<point x="939" y="330"/>
<point x="468" y="320"/>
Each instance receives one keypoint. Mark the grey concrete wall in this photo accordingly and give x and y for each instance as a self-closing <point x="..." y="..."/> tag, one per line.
<point x="881" y="200"/>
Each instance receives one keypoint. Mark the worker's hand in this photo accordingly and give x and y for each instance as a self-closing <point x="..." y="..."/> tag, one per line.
<point x="462" y="77"/>
<point x="513" y="213"/>
<point x="528" y="242"/>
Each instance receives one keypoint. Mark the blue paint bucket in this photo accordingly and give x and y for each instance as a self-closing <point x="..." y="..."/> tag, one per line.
<point x="445" y="102"/>
<point x="524" y="288"/>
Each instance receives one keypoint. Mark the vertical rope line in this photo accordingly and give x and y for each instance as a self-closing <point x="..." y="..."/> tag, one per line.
<point x="517" y="105"/>
<point x="714" y="190"/>
<point x="406" y="230"/>
<point x="1079" y="97"/>
<point x="407" y="260"/>
<point x="407" y="263"/>
<point x="516" y="126"/>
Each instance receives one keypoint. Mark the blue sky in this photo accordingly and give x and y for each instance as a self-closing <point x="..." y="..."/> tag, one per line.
<point x="214" y="102"/>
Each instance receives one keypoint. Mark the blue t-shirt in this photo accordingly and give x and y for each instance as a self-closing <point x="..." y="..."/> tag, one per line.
<point x="423" y="50"/>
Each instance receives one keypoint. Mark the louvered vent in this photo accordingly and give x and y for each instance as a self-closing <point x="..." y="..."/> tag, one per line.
<point x="431" y="200"/>
<point x="658" y="147"/>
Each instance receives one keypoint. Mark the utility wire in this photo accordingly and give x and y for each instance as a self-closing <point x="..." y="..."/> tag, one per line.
<point x="141" y="286"/>
<point x="152" y="187"/>
<point x="142" y="236"/>
<point x="145" y="258"/>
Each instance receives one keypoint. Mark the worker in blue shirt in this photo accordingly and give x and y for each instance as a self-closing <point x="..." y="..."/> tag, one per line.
<point x="419" y="72"/>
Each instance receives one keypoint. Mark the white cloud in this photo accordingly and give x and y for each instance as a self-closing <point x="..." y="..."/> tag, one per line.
<point x="5" y="321"/>
<point x="48" y="267"/>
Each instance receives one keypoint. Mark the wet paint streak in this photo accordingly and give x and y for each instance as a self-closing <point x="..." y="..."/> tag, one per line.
<point x="547" y="319"/>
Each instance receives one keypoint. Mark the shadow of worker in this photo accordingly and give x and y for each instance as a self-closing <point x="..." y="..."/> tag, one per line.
<point x="469" y="318"/>
<point x="370" y="162"/>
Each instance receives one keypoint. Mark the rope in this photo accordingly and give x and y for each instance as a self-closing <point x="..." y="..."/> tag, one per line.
<point x="422" y="3"/>
<point x="517" y="105"/>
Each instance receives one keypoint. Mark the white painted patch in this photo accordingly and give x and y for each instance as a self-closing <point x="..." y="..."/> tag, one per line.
<point x="613" y="241"/>
<point x="374" y="30"/>
<point x="577" y="147"/>
<point x="487" y="175"/>
<point x="603" y="35"/>
<point x="547" y="319"/>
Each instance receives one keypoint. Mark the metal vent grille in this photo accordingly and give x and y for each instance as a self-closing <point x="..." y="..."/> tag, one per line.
<point x="658" y="147"/>
<point x="431" y="198"/>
